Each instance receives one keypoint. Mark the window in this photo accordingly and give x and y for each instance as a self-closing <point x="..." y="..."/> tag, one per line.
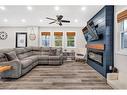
<point x="58" y="38"/>
<point x="124" y="40"/>
<point x="123" y="30"/>
<point x="70" y="39"/>
<point x="45" y="39"/>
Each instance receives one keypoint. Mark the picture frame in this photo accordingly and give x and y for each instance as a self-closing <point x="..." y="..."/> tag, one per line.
<point x="21" y="40"/>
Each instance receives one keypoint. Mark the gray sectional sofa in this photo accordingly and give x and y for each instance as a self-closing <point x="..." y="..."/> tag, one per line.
<point x="24" y="59"/>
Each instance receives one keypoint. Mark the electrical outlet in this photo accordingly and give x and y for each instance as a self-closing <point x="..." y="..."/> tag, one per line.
<point x="110" y="67"/>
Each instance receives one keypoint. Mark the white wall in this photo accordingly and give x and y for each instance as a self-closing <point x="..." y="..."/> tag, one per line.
<point x="11" y="31"/>
<point x="10" y="41"/>
<point x="120" y="60"/>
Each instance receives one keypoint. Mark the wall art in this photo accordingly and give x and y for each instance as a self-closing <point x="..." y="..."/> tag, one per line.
<point x="3" y="35"/>
<point x="21" y="40"/>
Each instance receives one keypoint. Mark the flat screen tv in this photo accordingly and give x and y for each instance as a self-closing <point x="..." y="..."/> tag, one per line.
<point x="92" y="31"/>
<point x="88" y="36"/>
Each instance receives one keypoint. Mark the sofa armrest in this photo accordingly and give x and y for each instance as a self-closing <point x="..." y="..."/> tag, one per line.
<point x="5" y="68"/>
<point x="61" y="58"/>
<point x="15" y="72"/>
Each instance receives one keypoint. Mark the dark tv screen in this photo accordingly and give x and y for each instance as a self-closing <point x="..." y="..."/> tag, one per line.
<point x="92" y="31"/>
<point x="89" y="36"/>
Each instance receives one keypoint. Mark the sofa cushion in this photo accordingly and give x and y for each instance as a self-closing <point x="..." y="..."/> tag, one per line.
<point x="29" y="53"/>
<point x="36" y="48"/>
<point x="45" y="51"/>
<point x="45" y="57"/>
<point x="54" y="57"/>
<point x="19" y="50"/>
<point x="34" y="58"/>
<point x="25" y="63"/>
<point x="28" y="49"/>
<point x="6" y="50"/>
<point x="52" y="52"/>
<point x="59" y="51"/>
<point x="3" y="58"/>
<point x="36" y="52"/>
<point x="24" y="55"/>
<point x="11" y="55"/>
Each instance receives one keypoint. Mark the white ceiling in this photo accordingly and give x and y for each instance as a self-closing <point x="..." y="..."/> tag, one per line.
<point x="12" y="15"/>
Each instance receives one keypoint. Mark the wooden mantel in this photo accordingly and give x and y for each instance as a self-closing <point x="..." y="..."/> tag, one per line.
<point x="5" y="68"/>
<point x="95" y="46"/>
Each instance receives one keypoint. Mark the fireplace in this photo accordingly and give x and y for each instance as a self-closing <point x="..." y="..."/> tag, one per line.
<point x="96" y="56"/>
<point x="100" y="52"/>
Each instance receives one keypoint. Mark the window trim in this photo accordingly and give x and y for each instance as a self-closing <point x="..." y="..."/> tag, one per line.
<point x="121" y="32"/>
<point x="121" y="51"/>
<point x="121" y="46"/>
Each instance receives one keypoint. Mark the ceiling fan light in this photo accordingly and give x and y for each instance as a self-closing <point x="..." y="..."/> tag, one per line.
<point x="41" y="20"/>
<point x="2" y="8"/>
<point x="5" y="20"/>
<point x="76" y="20"/>
<point x="57" y="8"/>
<point x="29" y="8"/>
<point x="83" y="8"/>
<point x="23" y="20"/>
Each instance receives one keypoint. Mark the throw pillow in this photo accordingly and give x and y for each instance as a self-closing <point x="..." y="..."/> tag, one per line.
<point x="52" y="52"/>
<point x="3" y="58"/>
<point x="11" y="55"/>
<point x="59" y="51"/>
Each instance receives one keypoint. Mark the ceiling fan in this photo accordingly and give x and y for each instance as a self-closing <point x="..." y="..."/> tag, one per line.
<point x="58" y="20"/>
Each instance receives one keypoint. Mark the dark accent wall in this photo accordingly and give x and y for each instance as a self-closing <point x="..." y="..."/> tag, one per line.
<point x="105" y="21"/>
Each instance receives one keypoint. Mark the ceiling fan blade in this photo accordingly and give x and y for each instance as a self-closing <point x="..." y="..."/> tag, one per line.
<point x="66" y="21"/>
<point x="50" y="18"/>
<point x="52" y="22"/>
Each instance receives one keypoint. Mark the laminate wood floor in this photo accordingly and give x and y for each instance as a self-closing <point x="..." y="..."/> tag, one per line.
<point x="70" y="75"/>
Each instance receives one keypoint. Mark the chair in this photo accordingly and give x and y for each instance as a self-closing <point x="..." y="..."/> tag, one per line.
<point x="80" y="55"/>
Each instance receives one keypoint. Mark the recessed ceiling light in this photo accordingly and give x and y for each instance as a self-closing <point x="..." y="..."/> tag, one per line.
<point x="41" y="20"/>
<point x="76" y="20"/>
<point x="29" y="8"/>
<point x="83" y="8"/>
<point x="57" y="8"/>
<point x="5" y="20"/>
<point x="2" y="8"/>
<point x="23" y="20"/>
